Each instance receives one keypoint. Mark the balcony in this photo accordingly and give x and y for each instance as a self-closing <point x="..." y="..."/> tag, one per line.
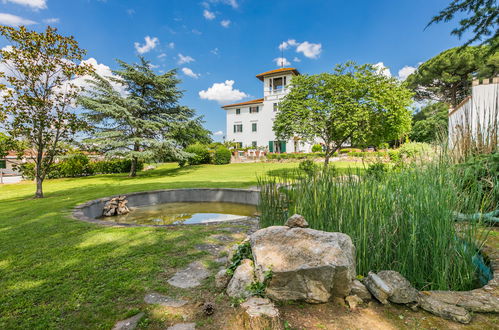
<point x="275" y="93"/>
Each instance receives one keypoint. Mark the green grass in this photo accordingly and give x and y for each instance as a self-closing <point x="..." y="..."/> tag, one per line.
<point x="56" y="272"/>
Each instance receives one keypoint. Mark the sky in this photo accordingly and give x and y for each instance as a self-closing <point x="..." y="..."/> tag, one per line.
<point x="218" y="46"/>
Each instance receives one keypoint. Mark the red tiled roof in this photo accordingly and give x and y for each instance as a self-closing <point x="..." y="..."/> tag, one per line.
<point x="261" y="75"/>
<point x="244" y="103"/>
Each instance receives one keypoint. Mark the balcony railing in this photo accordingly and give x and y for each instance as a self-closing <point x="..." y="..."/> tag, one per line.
<point x="275" y="91"/>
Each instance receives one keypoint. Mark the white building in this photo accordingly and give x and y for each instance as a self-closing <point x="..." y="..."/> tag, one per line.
<point x="250" y="123"/>
<point x="477" y="115"/>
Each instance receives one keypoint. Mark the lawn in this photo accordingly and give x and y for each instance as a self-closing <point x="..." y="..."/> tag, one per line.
<point x="56" y="272"/>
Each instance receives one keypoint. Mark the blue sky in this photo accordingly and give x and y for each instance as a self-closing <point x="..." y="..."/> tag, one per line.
<point x="228" y="42"/>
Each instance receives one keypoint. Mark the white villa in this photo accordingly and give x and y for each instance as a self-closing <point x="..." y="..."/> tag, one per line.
<point x="250" y="123"/>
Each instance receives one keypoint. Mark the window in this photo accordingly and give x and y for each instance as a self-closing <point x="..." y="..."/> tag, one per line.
<point x="253" y="144"/>
<point x="238" y="128"/>
<point x="3" y="164"/>
<point x="238" y="111"/>
<point x="276" y="106"/>
<point x="253" y="109"/>
<point x="253" y="127"/>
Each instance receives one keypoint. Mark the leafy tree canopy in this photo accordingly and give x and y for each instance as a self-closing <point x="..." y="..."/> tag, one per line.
<point x="353" y="104"/>
<point x="430" y="123"/>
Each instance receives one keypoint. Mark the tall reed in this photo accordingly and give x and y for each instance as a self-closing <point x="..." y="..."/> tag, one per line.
<point x="403" y="222"/>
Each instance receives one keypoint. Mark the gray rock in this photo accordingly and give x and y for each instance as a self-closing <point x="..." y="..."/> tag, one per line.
<point x="353" y="302"/>
<point x="477" y="300"/>
<point x="306" y="264"/>
<point x="128" y="324"/>
<point x="402" y="290"/>
<point x="190" y="277"/>
<point x="231" y="251"/>
<point x="444" y="310"/>
<point x="222" y="238"/>
<point x="222" y="279"/>
<point x="159" y="299"/>
<point x="221" y="260"/>
<point x="183" y="326"/>
<point x="296" y="221"/>
<point x="213" y="249"/>
<point x="379" y="289"/>
<point x="360" y="290"/>
<point x="242" y="278"/>
<point x="260" y="313"/>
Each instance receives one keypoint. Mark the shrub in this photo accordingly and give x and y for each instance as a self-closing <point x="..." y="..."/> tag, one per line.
<point x="73" y="165"/>
<point x="114" y="166"/>
<point x="394" y="155"/>
<point x="316" y="148"/>
<point x="308" y="166"/>
<point x="383" y="146"/>
<point x="414" y="149"/>
<point x="377" y="170"/>
<point x="222" y="156"/>
<point x="200" y="154"/>
<point x="347" y="150"/>
<point x="27" y="170"/>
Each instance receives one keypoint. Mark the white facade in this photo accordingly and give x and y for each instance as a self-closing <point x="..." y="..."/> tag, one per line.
<point x="250" y="123"/>
<point x="478" y="114"/>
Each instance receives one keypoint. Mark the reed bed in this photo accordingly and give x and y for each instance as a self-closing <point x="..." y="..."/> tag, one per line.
<point x="403" y="222"/>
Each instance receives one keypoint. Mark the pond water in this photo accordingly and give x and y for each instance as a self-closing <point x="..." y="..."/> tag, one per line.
<point x="185" y="213"/>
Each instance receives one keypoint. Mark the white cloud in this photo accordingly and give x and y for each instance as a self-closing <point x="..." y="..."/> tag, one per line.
<point x="232" y="3"/>
<point x="196" y="32"/>
<point x="130" y="12"/>
<point x="13" y="20"/>
<point x="215" y="51"/>
<point x="405" y="72"/>
<point x="281" y="61"/>
<point x="171" y="45"/>
<point x="310" y="50"/>
<point x="103" y="71"/>
<point x="382" y="69"/>
<point x="218" y="133"/>
<point x="225" y="23"/>
<point x="296" y="59"/>
<point x="162" y="55"/>
<point x="286" y="44"/>
<point x="184" y="59"/>
<point x="188" y="72"/>
<point x="51" y="20"/>
<point x="209" y="15"/>
<point x="150" y="44"/>
<point x="222" y="92"/>
<point x="33" y="4"/>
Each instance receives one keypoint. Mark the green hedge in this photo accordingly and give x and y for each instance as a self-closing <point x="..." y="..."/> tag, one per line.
<point x="200" y="154"/>
<point x="284" y="156"/>
<point x="221" y="156"/>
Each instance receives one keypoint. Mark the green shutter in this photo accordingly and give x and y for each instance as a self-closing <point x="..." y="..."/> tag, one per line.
<point x="3" y="164"/>
<point x="271" y="146"/>
<point x="282" y="146"/>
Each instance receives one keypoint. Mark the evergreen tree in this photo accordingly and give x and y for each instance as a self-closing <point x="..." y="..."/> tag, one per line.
<point x="143" y="119"/>
<point x="430" y="123"/>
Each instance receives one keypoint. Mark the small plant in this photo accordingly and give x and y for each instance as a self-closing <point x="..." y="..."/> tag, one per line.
<point x="258" y="288"/>
<point x="308" y="166"/>
<point x="243" y="252"/>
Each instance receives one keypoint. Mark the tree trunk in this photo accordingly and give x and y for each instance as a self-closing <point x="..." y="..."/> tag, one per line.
<point x="133" y="168"/>
<point x="38" y="174"/>
<point x="39" y="188"/>
<point x="326" y="156"/>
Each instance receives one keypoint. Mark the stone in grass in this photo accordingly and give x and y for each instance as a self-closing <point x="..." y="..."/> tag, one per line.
<point x="128" y="324"/>
<point x="183" y="326"/>
<point x="243" y="276"/>
<point x="353" y="302"/>
<point x="444" y="310"/>
<point x="213" y="249"/>
<point x="190" y="277"/>
<point x="159" y="299"/>
<point x="360" y="290"/>
<point x="402" y="290"/>
<point x="296" y="221"/>
<point x="378" y="287"/>
<point x="259" y="314"/>
<point x="222" y="279"/>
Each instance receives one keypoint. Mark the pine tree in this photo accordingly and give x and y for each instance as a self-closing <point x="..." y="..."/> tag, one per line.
<point x="142" y="119"/>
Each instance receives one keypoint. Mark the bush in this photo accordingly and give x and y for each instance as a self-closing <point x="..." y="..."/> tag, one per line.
<point x="200" y="154"/>
<point x="347" y="150"/>
<point x="316" y="148"/>
<point x="414" y="149"/>
<point x="222" y="156"/>
<point x="377" y="170"/>
<point x="308" y="166"/>
<point x="76" y="164"/>
<point x="27" y="170"/>
<point x="114" y="166"/>
<point x="383" y="146"/>
<point x="394" y="155"/>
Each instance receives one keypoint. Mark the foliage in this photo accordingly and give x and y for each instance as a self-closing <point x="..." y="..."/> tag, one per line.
<point x="377" y="170"/>
<point x="199" y="154"/>
<point x="415" y="149"/>
<point x="347" y="150"/>
<point x="301" y="155"/>
<point x="145" y="120"/>
<point x="243" y="251"/>
<point x="222" y="156"/>
<point x="257" y="288"/>
<point x="394" y="155"/>
<point x="308" y="166"/>
<point x="317" y="148"/>
<point x="192" y="132"/>
<point x="383" y="146"/>
<point x="430" y="123"/>
<point x="40" y="92"/>
<point x="403" y="222"/>
<point x="354" y="103"/>
<point x="76" y="164"/>
<point x="482" y="18"/>
<point x="6" y="144"/>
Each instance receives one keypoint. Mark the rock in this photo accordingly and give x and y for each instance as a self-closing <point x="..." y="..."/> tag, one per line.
<point x="212" y="249"/>
<point x="306" y="264"/>
<point x="259" y="314"/>
<point x="231" y="252"/>
<point x="297" y="221"/>
<point x="444" y="310"/>
<point x="116" y="206"/>
<point x="353" y="302"/>
<point x="159" y="299"/>
<point x="402" y="290"/>
<point x="222" y="279"/>
<point x="221" y="260"/>
<point x="183" y="326"/>
<point x="477" y="300"/>
<point x="190" y="277"/>
<point x="222" y="238"/>
<point x="360" y="290"/>
<point x="379" y="289"/>
<point x="243" y="276"/>
<point x="208" y="308"/>
<point x="128" y="324"/>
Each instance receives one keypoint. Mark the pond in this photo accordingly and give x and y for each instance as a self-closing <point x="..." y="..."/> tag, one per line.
<point x="185" y="213"/>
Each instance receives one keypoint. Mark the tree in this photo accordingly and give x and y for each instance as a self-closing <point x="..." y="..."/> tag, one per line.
<point x="353" y="104"/>
<point x="38" y="92"/>
<point x="447" y="77"/>
<point x="141" y="121"/>
<point x="483" y="20"/>
<point x="430" y="123"/>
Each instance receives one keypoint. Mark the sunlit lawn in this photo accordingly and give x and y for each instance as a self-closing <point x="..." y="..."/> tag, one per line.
<point x="56" y="272"/>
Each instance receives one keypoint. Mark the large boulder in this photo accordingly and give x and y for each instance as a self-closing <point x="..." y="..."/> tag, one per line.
<point x="243" y="276"/>
<point x="360" y="290"/>
<point x="306" y="264"/>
